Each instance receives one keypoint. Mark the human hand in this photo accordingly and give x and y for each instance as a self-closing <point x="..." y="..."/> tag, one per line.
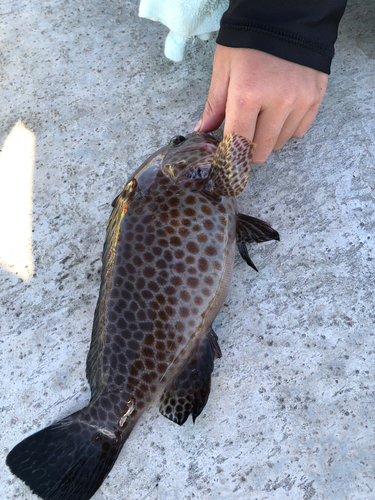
<point x="264" y="98"/>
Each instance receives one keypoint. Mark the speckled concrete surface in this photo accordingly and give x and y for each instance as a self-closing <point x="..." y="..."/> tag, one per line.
<point x="291" y="413"/>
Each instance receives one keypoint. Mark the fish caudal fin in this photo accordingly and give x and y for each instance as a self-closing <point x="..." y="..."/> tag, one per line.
<point x="252" y="230"/>
<point x="68" y="460"/>
<point x="188" y="392"/>
<point x="231" y="166"/>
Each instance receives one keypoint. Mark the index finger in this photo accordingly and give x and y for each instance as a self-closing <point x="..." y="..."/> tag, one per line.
<point x="241" y="116"/>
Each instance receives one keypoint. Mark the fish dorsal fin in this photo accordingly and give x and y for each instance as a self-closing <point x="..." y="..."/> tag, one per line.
<point x="94" y="358"/>
<point x="231" y="165"/>
<point x="187" y="393"/>
<point x="252" y="230"/>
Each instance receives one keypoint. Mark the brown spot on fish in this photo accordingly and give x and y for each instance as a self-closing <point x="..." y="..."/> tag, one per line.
<point x="206" y="210"/>
<point x="173" y="202"/>
<point x="137" y="261"/>
<point x="161" y="264"/>
<point x="161" y="354"/>
<point x="189" y="212"/>
<point x="210" y="251"/>
<point x="149" y="239"/>
<point x="202" y="238"/>
<point x="157" y="251"/>
<point x="169" y="310"/>
<point x="175" y="241"/>
<point x="192" y="282"/>
<point x="179" y="267"/>
<point x="163" y="315"/>
<point x="184" y="312"/>
<point x="208" y="225"/>
<point x="161" y="299"/>
<point x="185" y="296"/>
<point x="192" y="247"/>
<point x="162" y="367"/>
<point x="139" y="247"/>
<point x="183" y="231"/>
<point x="190" y="200"/>
<point x="149" y="340"/>
<point x="202" y="265"/>
<point x="179" y="254"/>
<point x="168" y="255"/>
<point x="146" y="294"/>
<point x="176" y="280"/>
<point x="149" y="272"/>
<point x="198" y="300"/>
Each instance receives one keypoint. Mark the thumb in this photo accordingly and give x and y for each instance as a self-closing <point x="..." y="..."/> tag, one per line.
<point x="214" y="110"/>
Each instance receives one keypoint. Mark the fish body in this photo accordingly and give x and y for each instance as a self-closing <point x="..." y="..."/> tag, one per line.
<point x="167" y="265"/>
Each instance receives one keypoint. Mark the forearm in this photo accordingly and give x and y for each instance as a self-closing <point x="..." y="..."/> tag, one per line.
<point x="300" y="31"/>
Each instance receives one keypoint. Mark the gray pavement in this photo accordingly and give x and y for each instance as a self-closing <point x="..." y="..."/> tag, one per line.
<point x="291" y="412"/>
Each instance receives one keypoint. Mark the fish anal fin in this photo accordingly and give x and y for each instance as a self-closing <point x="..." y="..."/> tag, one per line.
<point x="231" y="165"/>
<point x="187" y="393"/>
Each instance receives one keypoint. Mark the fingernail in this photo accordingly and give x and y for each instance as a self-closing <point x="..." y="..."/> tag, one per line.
<point x="198" y="126"/>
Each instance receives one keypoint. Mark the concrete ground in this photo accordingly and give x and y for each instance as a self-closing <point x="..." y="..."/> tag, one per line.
<point x="86" y="94"/>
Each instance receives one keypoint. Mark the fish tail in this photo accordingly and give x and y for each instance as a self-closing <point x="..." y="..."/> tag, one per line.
<point x="68" y="460"/>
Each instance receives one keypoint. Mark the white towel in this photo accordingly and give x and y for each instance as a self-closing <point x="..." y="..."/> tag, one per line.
<point x="184" y="18"/>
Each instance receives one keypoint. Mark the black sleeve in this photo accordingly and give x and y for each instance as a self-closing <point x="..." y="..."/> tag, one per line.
<point x="301" y="31"/>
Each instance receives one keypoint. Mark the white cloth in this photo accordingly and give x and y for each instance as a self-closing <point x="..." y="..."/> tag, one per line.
<point x="184" y="18"/>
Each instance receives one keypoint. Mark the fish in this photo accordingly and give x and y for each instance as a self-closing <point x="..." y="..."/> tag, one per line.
<point x="167" y="264"/>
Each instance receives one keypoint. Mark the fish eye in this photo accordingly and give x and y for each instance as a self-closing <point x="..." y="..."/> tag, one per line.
<point x="177" y="140"/>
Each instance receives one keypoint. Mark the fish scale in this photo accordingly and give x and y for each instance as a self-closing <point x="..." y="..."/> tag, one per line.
<point x="167" y="264"/>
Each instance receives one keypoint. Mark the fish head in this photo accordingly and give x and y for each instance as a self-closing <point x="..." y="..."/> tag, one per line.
<point x="184" y="157"/>
<point x="190" y="156"/>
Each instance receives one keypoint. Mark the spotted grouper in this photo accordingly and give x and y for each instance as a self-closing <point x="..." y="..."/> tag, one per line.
<point x="167" y="265"/>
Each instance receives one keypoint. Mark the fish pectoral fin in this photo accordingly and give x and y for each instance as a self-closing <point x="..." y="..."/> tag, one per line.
<point x="231" y="165"/>
<point x="188" y="392"/>
<point x="252" y="230"/>
<point x="245" y="255"/>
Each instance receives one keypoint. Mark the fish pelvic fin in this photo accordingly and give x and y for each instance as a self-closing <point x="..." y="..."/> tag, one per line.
<point x="252" y="230"/>
<point x="231" y="165"/>
<point x="188" y="391"/>
<point x="67" y="460"/>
